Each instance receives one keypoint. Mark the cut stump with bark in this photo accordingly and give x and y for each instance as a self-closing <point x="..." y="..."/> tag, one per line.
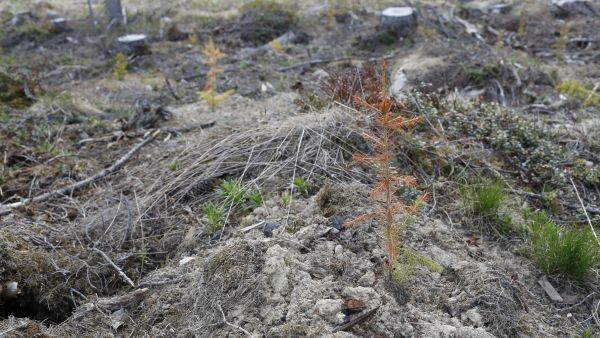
<point x="133" y="44"/>
<point x="58" y="25"/>
<point x="401" y="20"/>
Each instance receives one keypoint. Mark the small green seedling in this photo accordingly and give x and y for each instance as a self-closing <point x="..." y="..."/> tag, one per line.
<point x="255" y="198"/>
<point x="120" y="68"/>
<point x="302" y="185"/>
<point x="173" y="166"/>
<point x="44" y="148"/>
<point x="232" y="193"/>
<point x="214" y="214"/>
<point x="286" y="198"/>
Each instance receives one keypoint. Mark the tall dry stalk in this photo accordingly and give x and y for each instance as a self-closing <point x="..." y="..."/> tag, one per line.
<point x="391" y="213"/>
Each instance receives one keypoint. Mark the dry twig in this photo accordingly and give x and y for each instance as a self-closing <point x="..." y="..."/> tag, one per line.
<point x="114" y="266"/>
<point x="7" y="208"/>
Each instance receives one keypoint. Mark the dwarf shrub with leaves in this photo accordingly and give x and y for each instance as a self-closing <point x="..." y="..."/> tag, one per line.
<point x="392" y="214"/>
<point x="520" y="142"/>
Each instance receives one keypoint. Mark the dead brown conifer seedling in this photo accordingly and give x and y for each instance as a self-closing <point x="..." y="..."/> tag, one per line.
<point x="391" y="213"/>
<point x="209" y="93"/>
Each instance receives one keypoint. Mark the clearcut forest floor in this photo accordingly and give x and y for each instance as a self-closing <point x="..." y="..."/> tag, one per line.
<point x="134" y="253"/>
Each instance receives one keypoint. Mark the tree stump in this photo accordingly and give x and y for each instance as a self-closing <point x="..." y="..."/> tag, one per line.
<point x="133" y="44"/>
<point x="114" y="12"/>
<point x="58" y="25"/>
<point x="401" y="20"/>
<point x="567" y="8"/>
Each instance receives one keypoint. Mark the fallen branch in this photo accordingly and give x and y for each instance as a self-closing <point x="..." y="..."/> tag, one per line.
<point x="112" y="303"/>
<point x="315" y="62"/>
<point x="120" y="302"/>
<point x="589" y="210"/>
<point x="355" y="320"/>
<point x="171" y="90"/>
<point x="115" y="136"/>
<point x="204" y="72"/>
<point x="6" y="209"/>
<point x="114" y="266"/>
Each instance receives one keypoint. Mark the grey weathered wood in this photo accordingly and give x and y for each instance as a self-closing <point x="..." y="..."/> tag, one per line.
<point x="402" y="20"/>
<point x="550" y="290"/>
<point x="133" y="44"/>
<point x="114" y="12"/>
<point x="92" y="16"/>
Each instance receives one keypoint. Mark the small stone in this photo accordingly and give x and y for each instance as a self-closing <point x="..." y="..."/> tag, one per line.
<point x="336" y="222"/>
<point x="217" y="235"/>
<point x="368" y="279"/>
<point x="338" y="251"/>
<point x="268" y="229"/>
<point x="117" y="318"/>
<point x="320" y="74"/>
<point x="329" y="308"/>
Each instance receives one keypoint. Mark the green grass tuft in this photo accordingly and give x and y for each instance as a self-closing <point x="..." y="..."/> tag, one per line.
<point x="255" y="198"/>
<point x="485" y="200"/>
<point x="214" y="214"/>
<point x="489" y="196"/>
<point x="568" y="252"/>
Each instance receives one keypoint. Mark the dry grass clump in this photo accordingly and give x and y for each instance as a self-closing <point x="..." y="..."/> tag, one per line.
<point x="343" y="85"/>
<point x="312" y="148"/>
